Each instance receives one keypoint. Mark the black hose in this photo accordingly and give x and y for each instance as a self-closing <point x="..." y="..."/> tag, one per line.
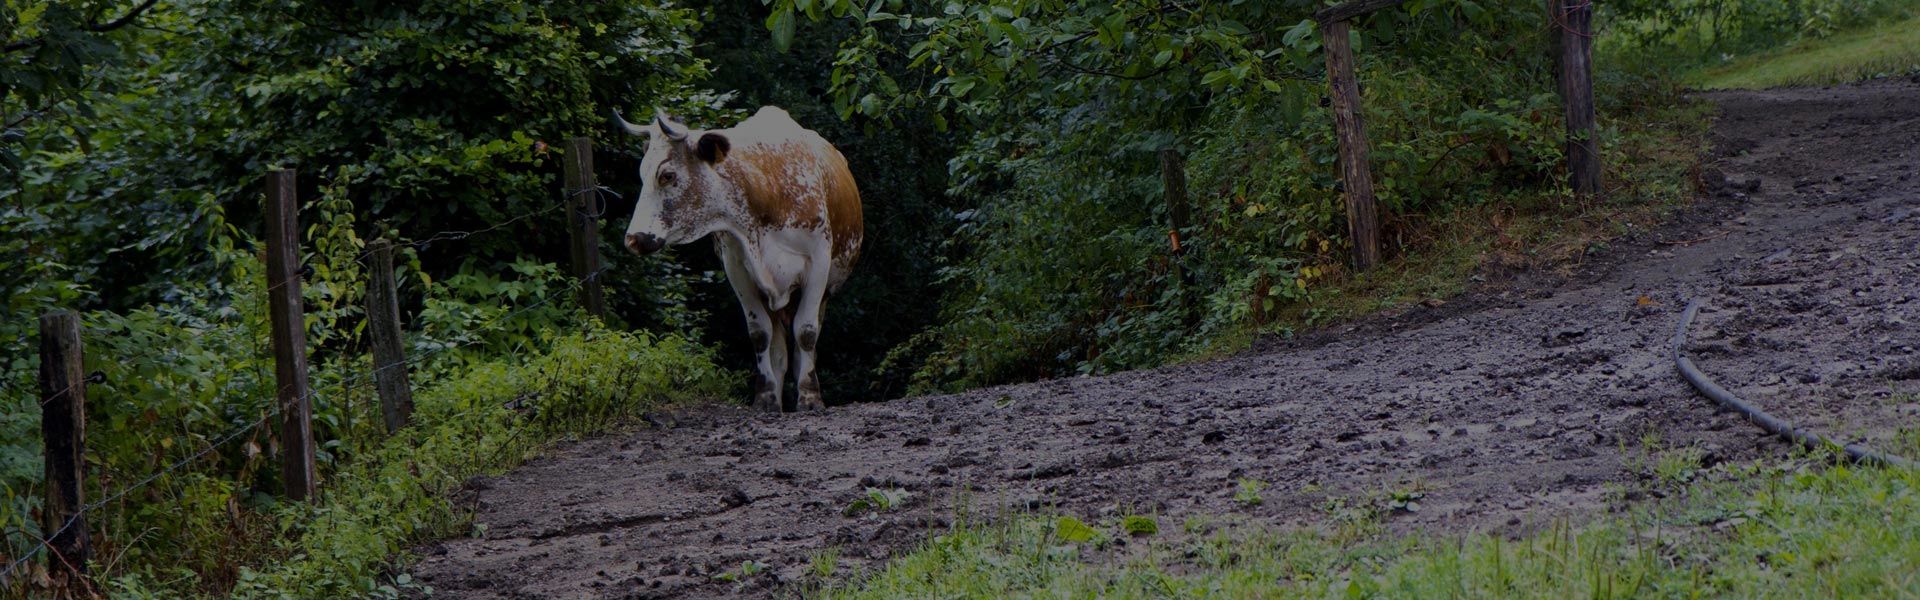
<point x="1759" y="417"/>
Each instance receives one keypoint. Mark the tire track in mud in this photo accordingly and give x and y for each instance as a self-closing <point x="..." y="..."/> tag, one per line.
<point x="1507" y="408"/>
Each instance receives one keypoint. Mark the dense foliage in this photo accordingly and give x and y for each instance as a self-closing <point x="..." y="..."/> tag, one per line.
<point x="139" y="148"/>
<point x="1068" y="265"/>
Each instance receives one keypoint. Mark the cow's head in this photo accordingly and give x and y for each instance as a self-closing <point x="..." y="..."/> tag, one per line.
<point x="682" y="197"/>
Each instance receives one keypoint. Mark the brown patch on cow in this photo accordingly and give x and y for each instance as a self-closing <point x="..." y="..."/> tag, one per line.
<point x="788" y="176"/>
<point x="844" y="217"/>
<point x="775" y="199"/>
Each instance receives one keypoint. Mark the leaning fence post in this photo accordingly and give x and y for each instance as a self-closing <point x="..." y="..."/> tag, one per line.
<point x="389" y="350"/>
<point x="1363" y="213"/>
<point x="288" y="319"/>
<point x="583" y="222"/>
<point x="63" y="425"/>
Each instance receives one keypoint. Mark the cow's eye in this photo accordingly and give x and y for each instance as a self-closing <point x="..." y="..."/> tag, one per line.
<point x="667" y="177"/>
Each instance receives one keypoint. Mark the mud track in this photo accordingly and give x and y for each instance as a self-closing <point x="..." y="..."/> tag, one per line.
<point x="1514" y="405"/>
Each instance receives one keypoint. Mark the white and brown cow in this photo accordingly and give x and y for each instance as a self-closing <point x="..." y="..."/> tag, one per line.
<point x="785" y="218"/>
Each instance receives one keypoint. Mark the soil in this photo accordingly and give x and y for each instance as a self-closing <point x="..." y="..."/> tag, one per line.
<point x="1527" y="400"/>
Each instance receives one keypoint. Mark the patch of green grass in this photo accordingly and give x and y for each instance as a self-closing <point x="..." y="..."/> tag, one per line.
<point x="878" y="500"/>
<point x="1891" y="48"/>
<point x="1737" y="531"/>
<point x="1139" y="525"/>
<point x="345" y="544"/>
<point x="1249" y="491"/>
<point x="822" y="564"/>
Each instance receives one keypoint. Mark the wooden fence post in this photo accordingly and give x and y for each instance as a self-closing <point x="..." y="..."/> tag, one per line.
<point x="583" y="222"/>
<point x="1574" y="20"/>
<point x="389" y="350"/>
<point x="288" y="319"/>
<point x="63" y="426"/>
<point x="1363" y="217"/>
<point x="1173" y="183"/>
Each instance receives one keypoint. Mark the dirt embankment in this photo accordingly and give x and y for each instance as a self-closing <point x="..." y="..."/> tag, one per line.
<point x="1512" y="406"/>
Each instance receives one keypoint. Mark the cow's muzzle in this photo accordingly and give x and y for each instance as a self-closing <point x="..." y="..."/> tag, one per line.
<point x="644" y="243"/>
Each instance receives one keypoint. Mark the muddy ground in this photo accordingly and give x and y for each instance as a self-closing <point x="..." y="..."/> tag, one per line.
<point x="1524" y="401"/>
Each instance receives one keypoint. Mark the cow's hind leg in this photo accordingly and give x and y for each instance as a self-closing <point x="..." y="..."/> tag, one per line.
<point x="782" y="321"/>
<point x="770" y="350"/>
<point x="806" y="338"/>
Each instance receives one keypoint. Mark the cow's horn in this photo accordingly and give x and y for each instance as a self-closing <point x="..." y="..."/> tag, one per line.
<point x="629" y="127"/>
<point x="665" y="123"/>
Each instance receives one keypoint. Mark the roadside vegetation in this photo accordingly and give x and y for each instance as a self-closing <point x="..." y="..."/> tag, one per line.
<point x="1888" y="49"/>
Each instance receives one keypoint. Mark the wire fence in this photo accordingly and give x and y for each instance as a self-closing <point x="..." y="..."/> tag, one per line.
<point x="594" y="211"/>
<point x="597" y="210"/>
<point x="343" y="386"/>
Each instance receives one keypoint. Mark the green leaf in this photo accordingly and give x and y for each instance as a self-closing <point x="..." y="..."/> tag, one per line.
<point x="1139" y="525"/>
<point x="963" y="83"/>
<point x="1298" y="32"/>
<point x="782" y="24"/>
<point x="1072" y="530"/>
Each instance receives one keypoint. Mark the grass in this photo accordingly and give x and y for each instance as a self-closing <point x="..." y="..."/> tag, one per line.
<point x="1890" y="48"/>
<point x="1744" y="531"/>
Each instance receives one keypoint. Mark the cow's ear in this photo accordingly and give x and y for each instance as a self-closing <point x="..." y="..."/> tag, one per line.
<point x="713" y="147"/>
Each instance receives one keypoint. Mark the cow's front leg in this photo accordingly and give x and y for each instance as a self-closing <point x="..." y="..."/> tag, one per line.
<point x="806" y="339"/>
<point x="770" y="352"/>
<point x="769" y="343"/>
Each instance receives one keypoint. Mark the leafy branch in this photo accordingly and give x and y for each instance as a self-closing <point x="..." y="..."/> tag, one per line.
<point x="89" y="26"/>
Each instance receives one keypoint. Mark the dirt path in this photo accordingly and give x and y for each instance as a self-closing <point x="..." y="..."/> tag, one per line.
<point x="1506" y="408"/>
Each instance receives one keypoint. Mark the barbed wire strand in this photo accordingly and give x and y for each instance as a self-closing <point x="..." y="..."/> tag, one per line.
<point x="456" y="235"/>
<point x="277" y="410"/>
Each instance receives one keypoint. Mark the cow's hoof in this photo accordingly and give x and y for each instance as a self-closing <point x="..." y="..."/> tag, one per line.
<point x="767" y="403"/>
<point x="810" y="394"/>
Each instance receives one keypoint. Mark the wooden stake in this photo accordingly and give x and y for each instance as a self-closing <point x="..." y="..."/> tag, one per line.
<point x="1173" y="183"/>
<point x="288" y="318"/>
<point x="1574" y="21"/>
<point x="63" y="426"/>
<point x="583" y="210"/>
<point x="1363" y="220"/>
<point x="389" y="350"/>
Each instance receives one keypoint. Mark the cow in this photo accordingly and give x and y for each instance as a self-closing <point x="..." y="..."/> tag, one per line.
<point x="784" y="214"/>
